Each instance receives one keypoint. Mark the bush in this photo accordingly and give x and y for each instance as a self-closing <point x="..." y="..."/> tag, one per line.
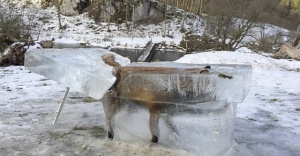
<point x="94" y="11"/>
<point x="269" y="42"/>
<point x="198" y="43"/>
<point x="11" y="23"/>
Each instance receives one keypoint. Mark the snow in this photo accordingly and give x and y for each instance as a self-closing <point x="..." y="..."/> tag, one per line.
<point x="268" y="121"/>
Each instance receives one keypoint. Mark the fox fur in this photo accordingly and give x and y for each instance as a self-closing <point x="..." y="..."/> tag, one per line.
<point x="111" y="102"/>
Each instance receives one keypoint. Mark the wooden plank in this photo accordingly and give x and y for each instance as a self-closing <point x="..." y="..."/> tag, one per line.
<point x="147" y="53"/>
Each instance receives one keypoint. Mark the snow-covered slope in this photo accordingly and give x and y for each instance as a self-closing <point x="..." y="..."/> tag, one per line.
<point x="268" y="121"/>
<point x="82" y="29"/>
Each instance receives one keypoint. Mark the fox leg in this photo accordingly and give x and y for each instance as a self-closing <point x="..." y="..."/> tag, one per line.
<point x="110" y="104"/>
<point x="153" y="123"/>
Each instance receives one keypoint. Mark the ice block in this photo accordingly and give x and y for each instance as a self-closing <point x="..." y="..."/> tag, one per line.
<point x="184" y="84"/>
<point x="204" y="129"/>
<point x="182" y="106"/>
<point x="80" y="69"/>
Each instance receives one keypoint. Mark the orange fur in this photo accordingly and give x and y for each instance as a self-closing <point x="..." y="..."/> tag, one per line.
<point x="112" y="103"/>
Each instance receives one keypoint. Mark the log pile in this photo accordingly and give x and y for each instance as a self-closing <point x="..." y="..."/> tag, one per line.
<point x="12" y="50"/>
<point x="15" y="56"/>
<point x="290" y="50"/>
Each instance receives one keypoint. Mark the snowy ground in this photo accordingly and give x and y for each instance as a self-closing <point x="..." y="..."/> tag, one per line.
<point x="268" y="121"/>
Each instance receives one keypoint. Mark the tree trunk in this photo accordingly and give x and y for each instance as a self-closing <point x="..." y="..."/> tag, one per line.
<point x="108" y="29"/>
<point x="165" y="18"/>
<point x="132" y="18"/>
<point x="58" y="14"/>
<point x="126" y="16"/>
<point x="201" y="6"/>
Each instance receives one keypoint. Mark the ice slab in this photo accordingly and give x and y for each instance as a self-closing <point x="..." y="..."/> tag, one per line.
<point x="80" y="69"/>
<point x="204" y="129"/>
<point x="183" y="83"/>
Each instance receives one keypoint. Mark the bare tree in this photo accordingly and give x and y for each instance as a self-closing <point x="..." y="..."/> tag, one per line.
<point x="58" y="14"/>
<point x="165" y="18"/>
<point x="227" y="25"/>
<point x="126" y="16"/>
<point x="297" y="40"/>
<point x="108" y="29"/>
<point x="132" y="18"/>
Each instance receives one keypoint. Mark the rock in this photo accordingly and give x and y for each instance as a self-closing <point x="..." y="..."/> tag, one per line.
<point x="145" y="11"/>
<point x="81" y="5"/>
<point x="148" y="10"/>
<point x="67" y="7"/>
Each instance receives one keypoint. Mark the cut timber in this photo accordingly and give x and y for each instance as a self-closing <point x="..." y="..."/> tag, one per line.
<point x="147" y="54"/>
<point x="291" y="51"/>
<point x="47" y="43"/>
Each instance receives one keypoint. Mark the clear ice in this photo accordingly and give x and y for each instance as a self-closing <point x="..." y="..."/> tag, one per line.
<point x="228" y="83"/>
<point x="203" y="129"/>
<point x="196" y="110"/>
<point x="80" y="69"/>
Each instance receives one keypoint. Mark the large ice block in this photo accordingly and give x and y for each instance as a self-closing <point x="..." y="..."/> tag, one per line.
<point x="203" y="129"/>
<point x="80" y="69"/>
<point x="184" y="84"/>
<point x="183" y="106"/>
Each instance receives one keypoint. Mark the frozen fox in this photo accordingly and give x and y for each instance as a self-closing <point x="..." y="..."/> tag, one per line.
<point x="112" y="103"/>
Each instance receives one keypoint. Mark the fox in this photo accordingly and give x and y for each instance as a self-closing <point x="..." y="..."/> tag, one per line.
<point x="111" y="102"/>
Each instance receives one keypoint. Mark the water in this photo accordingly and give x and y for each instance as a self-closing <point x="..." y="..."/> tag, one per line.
<point x="166" y="55"/>
<point x="131" y="54"/>
<point x="159" y="55"/>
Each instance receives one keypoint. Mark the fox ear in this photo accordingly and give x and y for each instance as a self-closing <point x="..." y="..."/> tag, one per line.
<point x="110" y="60"/>
<point x="107" y="57"/>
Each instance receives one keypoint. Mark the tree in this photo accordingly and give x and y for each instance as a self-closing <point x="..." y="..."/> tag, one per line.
<point x="58" y="14"/>
<point x="165" y="18"/>
<point x="231" y="24"/>
<point x="108" y="29"/>
<point x="132" y="18"/>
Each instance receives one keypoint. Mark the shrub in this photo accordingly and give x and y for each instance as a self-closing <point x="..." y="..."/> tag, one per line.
<point x="11" y="23"/>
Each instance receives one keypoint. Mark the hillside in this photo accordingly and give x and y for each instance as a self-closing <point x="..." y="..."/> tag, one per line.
<point x="267" y="123"/>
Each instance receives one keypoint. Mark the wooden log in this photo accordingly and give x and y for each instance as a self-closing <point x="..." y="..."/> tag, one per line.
<point x="291" y="51"/>
<point x="147" y="54"/>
